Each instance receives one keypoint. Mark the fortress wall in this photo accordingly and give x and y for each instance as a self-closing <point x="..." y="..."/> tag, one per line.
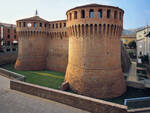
<point x="57" y="53"/>
<point x="32" y="53"/>
<point x="94" y="67"/>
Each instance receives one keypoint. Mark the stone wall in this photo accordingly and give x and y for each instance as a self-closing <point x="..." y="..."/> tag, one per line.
<point x="81" y="102"/>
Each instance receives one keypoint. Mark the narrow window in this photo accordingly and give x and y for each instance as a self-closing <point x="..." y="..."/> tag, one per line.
<point x="8" y="36"/>
<point x="100" y="13"/>
<point x="91" y="13"/>
<point x="53" y="26"/>
<point x="14" y="36"/>
<point x="19" y="24"/>
<point x="40" y="24"/>
<point x="24" y="24"/>
<point x="60" y="25"/>
<point x="115" y="14"/>
<point x="82" y="14"/>
<point x="120" y="15"/>
<point x="49" y="25"/>
<point x="70" y="16"/>
<point x="45" y="25"/>
<point x="8" y="30"/>
<point x="34" y="24"/>
<point x="64" y="24"/>
<point x="8" y="43"/>
<point x="75" y="14"/>
<point x="56" y="25"/>
<point x="108" y="13"/>
<point x="14" y="30"/>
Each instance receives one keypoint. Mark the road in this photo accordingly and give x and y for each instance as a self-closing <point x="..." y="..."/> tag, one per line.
<point x="16" y="102"/>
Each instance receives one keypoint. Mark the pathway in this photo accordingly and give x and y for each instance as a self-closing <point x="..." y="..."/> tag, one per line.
<point x="16" y="102"/>
<point x="132" y="73"/>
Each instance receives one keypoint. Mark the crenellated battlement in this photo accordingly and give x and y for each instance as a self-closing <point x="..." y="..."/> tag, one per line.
<point x="98" y="30"/>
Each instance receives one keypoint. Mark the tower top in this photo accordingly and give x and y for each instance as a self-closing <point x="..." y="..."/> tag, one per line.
<point x="36" y="12"/>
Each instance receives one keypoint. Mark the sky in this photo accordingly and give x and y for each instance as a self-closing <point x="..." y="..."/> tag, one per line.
<point x="137" y="12"/>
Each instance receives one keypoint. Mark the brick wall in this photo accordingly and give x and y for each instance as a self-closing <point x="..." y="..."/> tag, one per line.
<point x="81" y="102"/>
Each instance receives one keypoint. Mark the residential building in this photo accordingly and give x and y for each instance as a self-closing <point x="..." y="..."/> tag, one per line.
<point x="8" y="37"/>
<point x="143" y="42"/>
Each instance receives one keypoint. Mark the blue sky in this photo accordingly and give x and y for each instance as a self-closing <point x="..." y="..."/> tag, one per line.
<point x="137" y="12"/>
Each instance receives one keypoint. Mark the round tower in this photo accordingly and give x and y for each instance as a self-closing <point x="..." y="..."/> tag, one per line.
<point x="32" y="35"/>
<point x="94" y="66"/>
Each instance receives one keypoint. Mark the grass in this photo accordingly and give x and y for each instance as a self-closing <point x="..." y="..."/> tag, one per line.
<point x="45" y="78"/>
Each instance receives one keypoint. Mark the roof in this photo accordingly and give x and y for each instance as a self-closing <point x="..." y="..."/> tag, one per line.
<point x="94" y="5"/>
<point x="34" y="18"/>
<point x="7" y="25"/>
<point x="143" y="28"/>
<point x="129" y="35"/>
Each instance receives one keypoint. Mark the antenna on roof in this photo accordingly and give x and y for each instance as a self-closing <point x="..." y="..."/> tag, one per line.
<point x="36" y="13"/>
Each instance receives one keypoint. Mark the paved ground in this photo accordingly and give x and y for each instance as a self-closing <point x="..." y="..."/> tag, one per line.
<point x="16" y="102"/>
<point x="132" y="73"/>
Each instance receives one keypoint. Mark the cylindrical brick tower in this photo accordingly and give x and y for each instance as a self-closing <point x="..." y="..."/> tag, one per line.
<point x="32" y="35"/>
<point x="94" y="67"/>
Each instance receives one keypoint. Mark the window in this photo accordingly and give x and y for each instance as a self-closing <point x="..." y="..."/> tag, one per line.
<point x="8" y="50"/>
<point x="120" y="15"/>
<point x="56" y="25"/>
<point x="19" y="24"/>
<point x="91" y="13"/>
<point x="14" y="36"/>
<point x="14" y="30"/>
<point x="24" y="24"/>
<point x="40" y="24"/>
<point x="8" y="43"/>
<point x="14" y="49"/>
<point x="45" y="25"/>
<point x="70" y="16"/>
<point x="34" y="24"/>
<point x="82" y="14"/>
<point x="75" y="15"/>
<point x="8" y="36"/>
<point x="100" y="13"/>
<point x="108" y="13"/>
<point x="60" y="25"/>
<point x="64" y="24"/>
<point x="53" y="26"/>
<point x="115" y="14"/>
<point x="49" y="25"/>
<point x="8" y="30"/>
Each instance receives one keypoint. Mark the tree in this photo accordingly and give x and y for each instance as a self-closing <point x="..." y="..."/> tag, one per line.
<point x="132" y="44"/>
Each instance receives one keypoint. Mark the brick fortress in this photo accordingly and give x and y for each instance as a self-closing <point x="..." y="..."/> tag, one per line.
<point x="87" y="44"/>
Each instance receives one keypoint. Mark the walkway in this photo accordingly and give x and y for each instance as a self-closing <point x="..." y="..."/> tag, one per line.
<point x="16" y="102"/>
<point x="132" y="73"/>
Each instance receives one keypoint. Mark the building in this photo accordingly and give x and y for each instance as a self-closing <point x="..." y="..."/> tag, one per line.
<point x="127" y="38"/>
<point x="87" y="44"/>
<point x="8" y="37"/>
<point x="143" y="42"/>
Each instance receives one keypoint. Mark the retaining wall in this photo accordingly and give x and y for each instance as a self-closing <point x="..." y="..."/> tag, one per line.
<point x="78" y="101"/>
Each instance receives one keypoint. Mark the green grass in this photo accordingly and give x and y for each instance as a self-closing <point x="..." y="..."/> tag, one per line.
<point x="45" y="78"/>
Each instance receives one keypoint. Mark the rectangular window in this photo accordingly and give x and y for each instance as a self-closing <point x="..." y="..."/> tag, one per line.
<point x="115" y="15"/>
<point x="14" y="36"/>
<point x="8" y="36"/>
<point x="120" y="15"/>
<point x="60" y="25"/>
<point x="34" y="24"/>
<point x="24" y="24"/>
<point x="64" y="24"/>
<point x="82" y="14"/>
<point x="108" y="13"/>
<point x="14" y="30"/>
<point x="53" y="26"/>
<point x="49" y="25"/>
<point x="8" y="30"/>
<point x="40" y="24"/>
<point x="8" y="43"/>
<point x="91" y="13"/>
<point x="70" y="16"/>
<point x="45" y="25"/>
<point x="75" y="15"/>
<point x="100" y="13"/>
<point x="56" y="25"/>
